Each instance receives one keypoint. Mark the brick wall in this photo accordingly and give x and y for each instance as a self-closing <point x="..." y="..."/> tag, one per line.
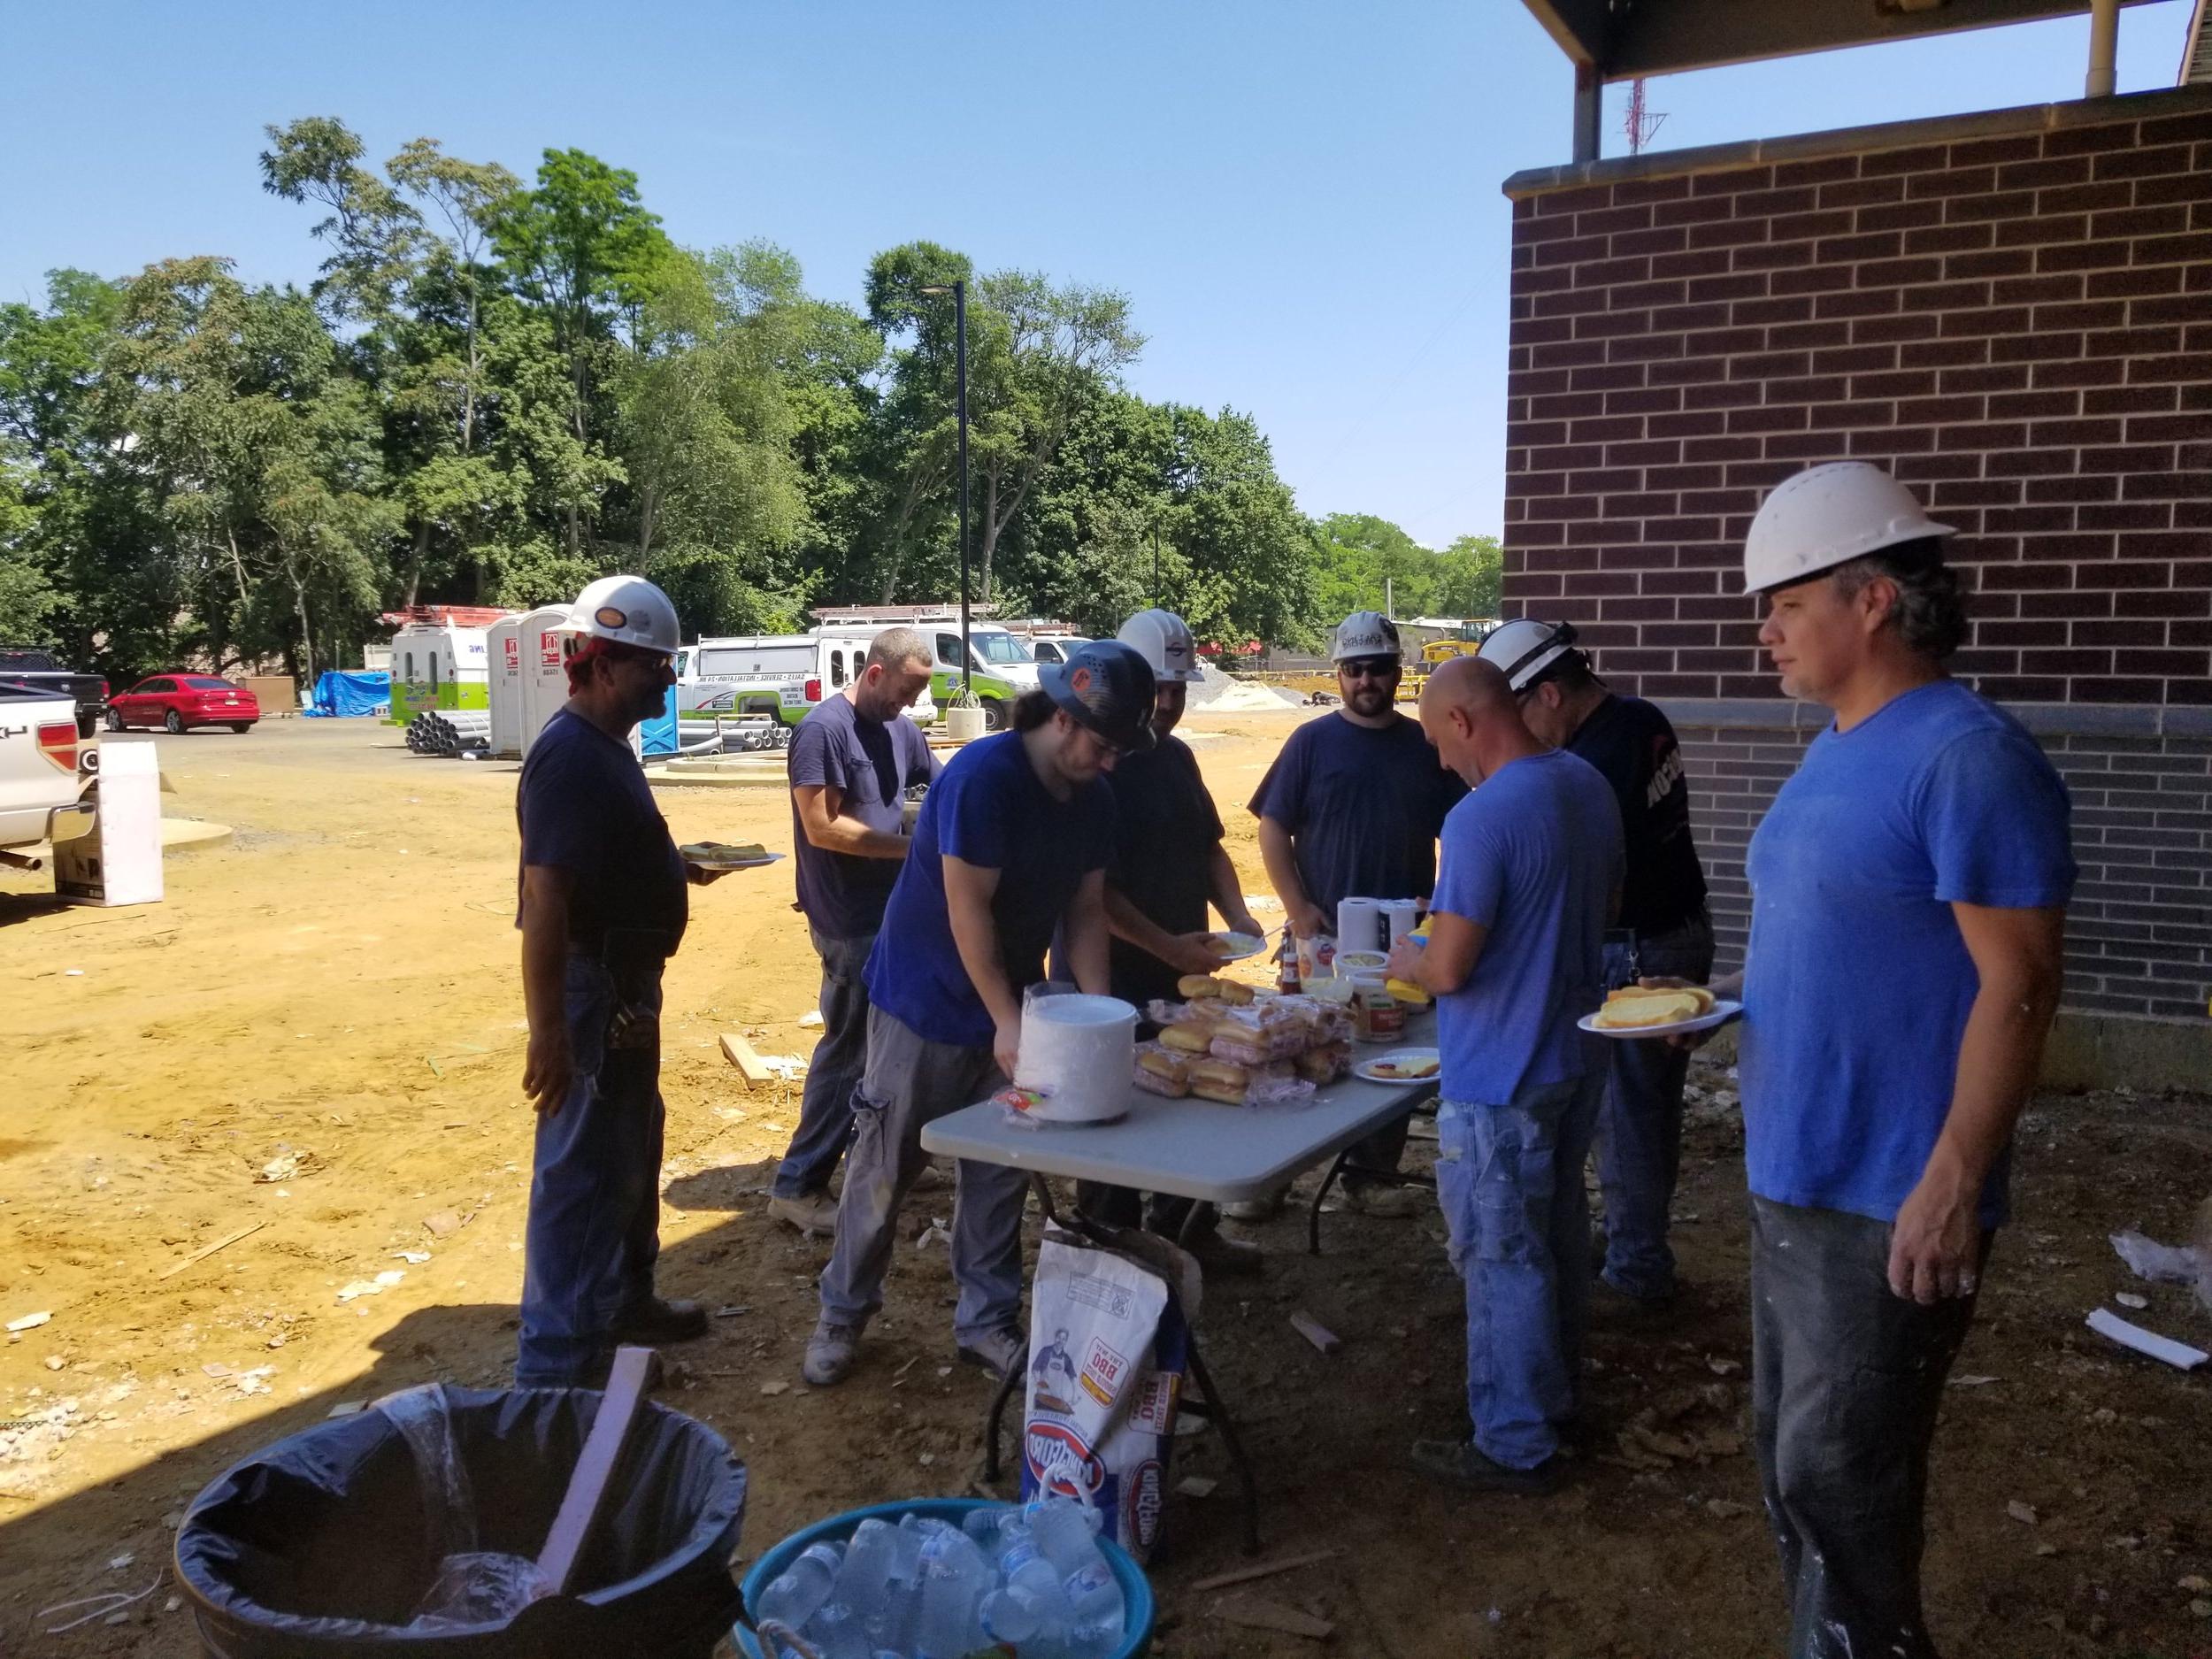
<point x="2013" y="313"/>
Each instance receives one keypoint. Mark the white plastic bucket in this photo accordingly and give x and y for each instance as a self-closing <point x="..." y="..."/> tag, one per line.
<point x="1080" y="1050"/>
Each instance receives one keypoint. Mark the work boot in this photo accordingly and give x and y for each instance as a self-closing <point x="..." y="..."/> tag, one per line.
<point x="1256" y="1209"/>
<point x="810" y="1213"/>
<point x="1381" y="1201"/>
<point x="1462" y="1464"/>
<point x="830" y="1352"/>
<point x="998" y="1352"/>
<point x="657" y="1321"/>
<point x="1225" y="1258"/>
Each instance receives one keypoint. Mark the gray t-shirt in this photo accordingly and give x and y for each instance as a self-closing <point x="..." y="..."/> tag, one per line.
<point x="872" y="763"/>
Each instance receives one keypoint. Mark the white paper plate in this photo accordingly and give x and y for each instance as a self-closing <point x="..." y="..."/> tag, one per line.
<point x="1367" y="1069"/>
<point x="1241" y="946"/>
<point x="1723" y="1011"/>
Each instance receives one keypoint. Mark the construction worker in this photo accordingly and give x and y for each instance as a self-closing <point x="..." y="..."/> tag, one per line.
<point x="1663" y="930"/>
<point x="1169" y="866"/>
<point x="1011" y="846"/>
<point x="851" y="763"/>
<point x="601" y="907"/>
<point x="1351" y="809"/>
<point x="1532" y="867"/>
<point x="1907" y="901"/>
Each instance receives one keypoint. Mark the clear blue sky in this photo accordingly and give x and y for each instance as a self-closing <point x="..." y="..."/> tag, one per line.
<point x="1300" y="198"/>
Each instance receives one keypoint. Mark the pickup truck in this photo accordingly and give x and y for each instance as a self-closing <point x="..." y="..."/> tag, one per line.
<point x="38" y="761"/>
<point x="24" y="665"/>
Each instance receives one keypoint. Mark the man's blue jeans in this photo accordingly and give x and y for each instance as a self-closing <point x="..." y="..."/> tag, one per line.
<point x="593" y="1231"/>
<point x="1509" y="1178"/>
<point x="825" y="1108"/>
<point x="1639" y="1136"/>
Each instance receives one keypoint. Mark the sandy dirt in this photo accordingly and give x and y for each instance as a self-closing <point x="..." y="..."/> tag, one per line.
<point x="320" y="1032"/>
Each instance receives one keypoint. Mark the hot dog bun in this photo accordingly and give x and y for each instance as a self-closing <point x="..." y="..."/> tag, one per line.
<point x="1190" y="1035"/>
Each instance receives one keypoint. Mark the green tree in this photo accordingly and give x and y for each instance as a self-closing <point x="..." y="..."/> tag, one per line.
<point x="1469" y="573"/>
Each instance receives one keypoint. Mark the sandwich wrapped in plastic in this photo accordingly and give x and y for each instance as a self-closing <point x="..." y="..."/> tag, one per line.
<point x="1162" y="1071"/>
<point x="1274" y="1094"/>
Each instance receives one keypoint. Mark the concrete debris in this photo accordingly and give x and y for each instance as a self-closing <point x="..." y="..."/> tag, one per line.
<point x="28" y="1322"/>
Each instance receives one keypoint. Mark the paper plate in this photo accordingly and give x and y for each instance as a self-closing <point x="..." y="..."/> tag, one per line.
<point x="721" y="856"/>
<point x="1721" y="1012"/>
<point x="1241" y="946"/>
<point x="1370" y="1070"/>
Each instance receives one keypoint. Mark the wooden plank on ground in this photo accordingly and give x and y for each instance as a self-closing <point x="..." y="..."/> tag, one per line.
<point x="223" y="1243"/>
<point x="1254" y="1614"/>
<point x="1263" y="1570"/>
<point x="754" y="1069"/>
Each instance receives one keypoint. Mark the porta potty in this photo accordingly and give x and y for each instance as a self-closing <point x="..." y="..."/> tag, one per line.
<point x="504" y="691"/>
<point x="527" y="682"/>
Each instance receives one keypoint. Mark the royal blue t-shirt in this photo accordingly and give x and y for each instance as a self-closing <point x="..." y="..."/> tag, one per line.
<point x="989" y="808"/>
<point x="1365" y="803"/>
<point x="1857" y="983"/>
<point x="871" y="763"/>
<point x="1534" y="855"/>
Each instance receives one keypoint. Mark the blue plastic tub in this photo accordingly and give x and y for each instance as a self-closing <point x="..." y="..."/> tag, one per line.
<point x="1136" y="1590"/>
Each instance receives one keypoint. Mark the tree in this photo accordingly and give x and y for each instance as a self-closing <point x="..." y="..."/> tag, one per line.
<point x="1469" y="573"/>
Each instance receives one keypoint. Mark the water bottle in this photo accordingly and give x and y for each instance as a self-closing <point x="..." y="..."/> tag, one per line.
<point x="870" y="1557"/>
<point x="802" y="1587"/>
<point x="835" y="1632"/>
<point x="907" y="1553"/>
<point x="955" y="1578"/>
<point x="1094" y="1594"/>
<point x="982" y="1525"/>
<point x="890" y="1624"/>
<point x="1064" y="1528"/>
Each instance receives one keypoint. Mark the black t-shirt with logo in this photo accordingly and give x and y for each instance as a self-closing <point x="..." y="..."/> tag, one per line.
<point x="1632" y="744"/>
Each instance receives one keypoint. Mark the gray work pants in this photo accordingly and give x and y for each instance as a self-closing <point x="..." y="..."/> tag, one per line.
<point x="825" y="1108"/>
<point x="910" y="1081"/>
<point x="1846" y="1379"/>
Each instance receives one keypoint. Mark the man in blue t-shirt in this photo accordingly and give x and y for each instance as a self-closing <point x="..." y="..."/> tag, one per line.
<point x="1011" y="846"/>
<point x="1351" y="809"/>
<point x="1531" y="878"/>
<point x="601" y="906"/>
<point x="1908" y="892"/>
<point x="852" y="761"/>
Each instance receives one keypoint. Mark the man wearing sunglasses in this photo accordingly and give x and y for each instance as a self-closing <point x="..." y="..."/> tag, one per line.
<point x="1664" y="931"/>
<point x="1352" y="807"/>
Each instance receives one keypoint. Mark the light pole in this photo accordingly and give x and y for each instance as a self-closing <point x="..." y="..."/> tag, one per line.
<point x="959" y="292"/>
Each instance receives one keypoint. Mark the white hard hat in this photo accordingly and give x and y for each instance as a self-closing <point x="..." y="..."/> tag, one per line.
<point x="1365" y="633"/>
<point x="628" y="609"/>
<point x="1163" y="639"/>
<point x="1524" y="650"/>
<point x="1825" y="516"/>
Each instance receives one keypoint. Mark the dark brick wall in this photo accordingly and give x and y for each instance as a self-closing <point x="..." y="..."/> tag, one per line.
<point x="2012" y="311"/>
<point x="2019" y="326"/>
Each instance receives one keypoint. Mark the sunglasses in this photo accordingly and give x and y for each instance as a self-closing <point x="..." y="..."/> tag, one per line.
<point x="1368" y="667"/>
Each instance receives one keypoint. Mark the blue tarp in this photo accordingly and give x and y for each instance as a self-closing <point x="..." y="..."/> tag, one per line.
<point x="658" y="735"/>
<point x="360" y="692"/>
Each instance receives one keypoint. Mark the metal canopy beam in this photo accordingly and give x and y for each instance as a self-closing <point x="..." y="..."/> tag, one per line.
<point x="1665" y="37"/>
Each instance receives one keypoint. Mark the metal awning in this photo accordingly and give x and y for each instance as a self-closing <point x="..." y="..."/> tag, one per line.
<point x="2196" y="52"/>
<point x="1622" y="39"/>
<point x="1627" y="40"/>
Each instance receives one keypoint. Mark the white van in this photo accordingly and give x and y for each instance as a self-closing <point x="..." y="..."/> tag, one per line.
<point x="1000" y="670"/>
<point x="781" y="676"/>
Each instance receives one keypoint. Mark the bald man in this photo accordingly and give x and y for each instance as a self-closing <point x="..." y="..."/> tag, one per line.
<point x="1530" y="878"/>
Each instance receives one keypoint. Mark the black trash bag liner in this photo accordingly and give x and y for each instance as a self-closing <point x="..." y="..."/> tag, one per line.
<point x="325" y="1543"/>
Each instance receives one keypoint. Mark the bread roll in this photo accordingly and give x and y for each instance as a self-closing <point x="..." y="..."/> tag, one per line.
<point x="1164" y="1063"/>
<point x="1194" y="986"/>
<point x="1648" y="1007"/>
<point x="1152" y="1083"/>
<point x="1235" y="992"/>
<point x="1190" y="1035"/>
<point x="1227" y="1094"/>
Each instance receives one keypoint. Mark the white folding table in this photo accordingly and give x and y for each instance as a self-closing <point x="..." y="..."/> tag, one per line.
<point x="1191" y="1149"/>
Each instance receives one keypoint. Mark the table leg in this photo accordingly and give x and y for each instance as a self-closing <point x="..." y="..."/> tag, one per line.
<point x="1212" y="1408"/>
<point x="995" y="1421"/>
<point x="1313" y="1217"/>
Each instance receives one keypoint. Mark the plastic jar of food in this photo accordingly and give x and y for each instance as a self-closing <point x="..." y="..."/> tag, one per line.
<point x="1376" y="1016"/>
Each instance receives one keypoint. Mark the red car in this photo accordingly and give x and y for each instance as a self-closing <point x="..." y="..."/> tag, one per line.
<point x="178" y="702"/>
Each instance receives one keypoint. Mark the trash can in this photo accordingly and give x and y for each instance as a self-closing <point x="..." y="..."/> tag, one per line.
<point x="1138" y="1609"/>
<point x="325" y="1543"/>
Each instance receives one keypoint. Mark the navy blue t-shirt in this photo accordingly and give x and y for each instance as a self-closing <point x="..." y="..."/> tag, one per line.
<point x="871" y="763"/>
<point x="1365" y="804"/>
<point x="583" y="806"/>
<point x="1858" y="983"/>
<point x="1633" y="746"/>
<point x="1165" y="830"/>
<point x="989" y="808"/>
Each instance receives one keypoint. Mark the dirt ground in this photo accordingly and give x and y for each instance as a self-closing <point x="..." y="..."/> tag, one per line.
<point x="332" y="1000"/>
